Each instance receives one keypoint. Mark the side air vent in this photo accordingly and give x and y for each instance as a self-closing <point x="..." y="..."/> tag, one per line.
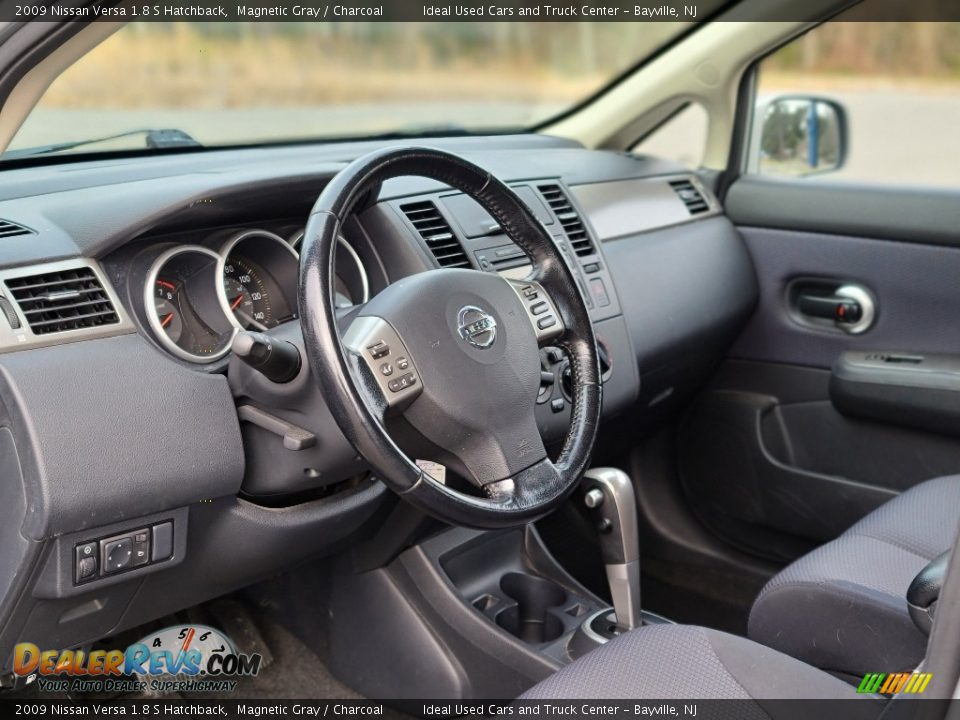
<point x="63" y="300"/>
<point x="690" y="196"/>
<point x="9" y="229"/>
<point x="435" y="231"/>
<point x="569" y="219"/>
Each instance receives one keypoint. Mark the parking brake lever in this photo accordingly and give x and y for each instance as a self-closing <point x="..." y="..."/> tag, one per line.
<point x="609" y="492"/>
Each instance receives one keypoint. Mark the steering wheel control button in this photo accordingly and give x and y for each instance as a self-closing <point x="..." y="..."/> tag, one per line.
<point x="379" y="350"/>
<point x="540" y="310"/>
<point x="117" y="554"/>
<point x="162" y="542"/>
<point x="374" y="340"/>
<point x="402" y="383"/>
<point x="557" y="405"/>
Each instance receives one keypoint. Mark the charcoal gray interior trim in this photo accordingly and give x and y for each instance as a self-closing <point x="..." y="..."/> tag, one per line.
<point x="914" y="286"/>
<point x="906" y="214"/>
<point x="172" y="435"/>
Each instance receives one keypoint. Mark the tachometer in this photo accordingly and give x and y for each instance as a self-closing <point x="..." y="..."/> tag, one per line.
<point x="182" y="307"/>
<point x="169" y="314"/>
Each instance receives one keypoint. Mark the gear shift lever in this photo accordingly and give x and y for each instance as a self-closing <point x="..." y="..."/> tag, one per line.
<point x="609" y="492"/>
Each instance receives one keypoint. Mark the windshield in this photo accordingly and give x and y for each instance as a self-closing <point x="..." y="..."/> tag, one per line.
<point x="257" y="82"/>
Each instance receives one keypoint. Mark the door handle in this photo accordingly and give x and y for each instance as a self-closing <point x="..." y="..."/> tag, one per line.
<point x="834" y="307"/>
<point x="849" y="307"/>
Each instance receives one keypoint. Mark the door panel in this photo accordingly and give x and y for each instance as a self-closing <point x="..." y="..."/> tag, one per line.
<point x="917" y="291"/>
<point x="766" y="459"/>
<point x="913" y="215"/>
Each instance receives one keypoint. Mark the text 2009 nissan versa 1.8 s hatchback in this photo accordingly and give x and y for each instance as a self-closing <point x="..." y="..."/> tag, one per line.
<point x="411" y="361"/>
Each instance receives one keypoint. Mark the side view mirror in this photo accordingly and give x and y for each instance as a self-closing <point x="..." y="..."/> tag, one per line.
<point x="798" y="135"/>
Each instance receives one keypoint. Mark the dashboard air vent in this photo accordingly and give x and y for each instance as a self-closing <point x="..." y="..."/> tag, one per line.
<point x="9" y="229"/>
<point x="438" y="235"/>
<point x="64" y="300"/>
<point x="690" y="196"/>
<point x="569" y="219"/>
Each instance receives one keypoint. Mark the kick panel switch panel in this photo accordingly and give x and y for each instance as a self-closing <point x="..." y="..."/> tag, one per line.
<point x="121" y="552"/>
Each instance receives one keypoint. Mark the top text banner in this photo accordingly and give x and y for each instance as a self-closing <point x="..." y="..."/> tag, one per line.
<point x="471" y="11"/>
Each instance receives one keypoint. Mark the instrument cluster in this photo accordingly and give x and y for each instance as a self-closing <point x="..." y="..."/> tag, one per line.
<point x="197" y="298"/>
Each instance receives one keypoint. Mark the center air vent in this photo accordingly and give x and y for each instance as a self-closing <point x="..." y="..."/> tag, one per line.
<point x="9" y="229"/>
<point x="690" y="196"/>
<point x="64" y="300"/>
<point x="569" y="219"/>
<point x="438" y="235"/>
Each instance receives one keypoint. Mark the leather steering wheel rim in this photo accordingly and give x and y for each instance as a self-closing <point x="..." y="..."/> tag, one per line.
<point x="347" y="381"/>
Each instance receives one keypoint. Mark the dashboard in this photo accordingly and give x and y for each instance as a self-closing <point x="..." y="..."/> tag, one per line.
<point x="124" y="281"/>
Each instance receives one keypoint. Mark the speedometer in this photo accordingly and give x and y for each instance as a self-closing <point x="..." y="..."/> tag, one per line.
<point x="258" y="274"/>
<point x="247" y="295"/>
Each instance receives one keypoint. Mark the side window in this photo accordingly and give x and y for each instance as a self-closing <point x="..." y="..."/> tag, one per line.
<point x="871" y="102"/>
<point x="681" y="138"/>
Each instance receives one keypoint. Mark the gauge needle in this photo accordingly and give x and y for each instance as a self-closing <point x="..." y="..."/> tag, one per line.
<point x="236" y="303"/>
<point x="250" y="322"/>
<point x="167" y="319"/>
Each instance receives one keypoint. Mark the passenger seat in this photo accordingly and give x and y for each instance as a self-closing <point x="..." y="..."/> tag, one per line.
<point x="843" y="606"/>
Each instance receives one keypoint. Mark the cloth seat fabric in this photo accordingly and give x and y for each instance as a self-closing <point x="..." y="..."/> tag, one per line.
<point x="843" y="607"/>
<point x="686" y="662"/>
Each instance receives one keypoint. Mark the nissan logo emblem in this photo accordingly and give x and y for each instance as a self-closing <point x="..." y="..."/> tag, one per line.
<point x="476" y="326"/>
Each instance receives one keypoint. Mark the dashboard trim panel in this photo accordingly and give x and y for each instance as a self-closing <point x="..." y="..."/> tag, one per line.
<point x="23" y="338"/>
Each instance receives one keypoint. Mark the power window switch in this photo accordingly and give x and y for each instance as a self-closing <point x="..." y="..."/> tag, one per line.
<point x="378" y="350"/>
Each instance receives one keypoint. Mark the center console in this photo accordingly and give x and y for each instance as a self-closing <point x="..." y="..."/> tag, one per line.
<point x="473" y="614"/>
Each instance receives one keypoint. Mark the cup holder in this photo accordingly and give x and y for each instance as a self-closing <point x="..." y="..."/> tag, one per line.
<point x="529" y="619"/>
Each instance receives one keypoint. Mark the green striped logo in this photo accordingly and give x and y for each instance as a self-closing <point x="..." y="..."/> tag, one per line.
<point x="894" y="683"/>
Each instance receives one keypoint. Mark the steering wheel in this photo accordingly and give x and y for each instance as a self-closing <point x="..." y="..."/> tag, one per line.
<point x="452" y="353"/>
